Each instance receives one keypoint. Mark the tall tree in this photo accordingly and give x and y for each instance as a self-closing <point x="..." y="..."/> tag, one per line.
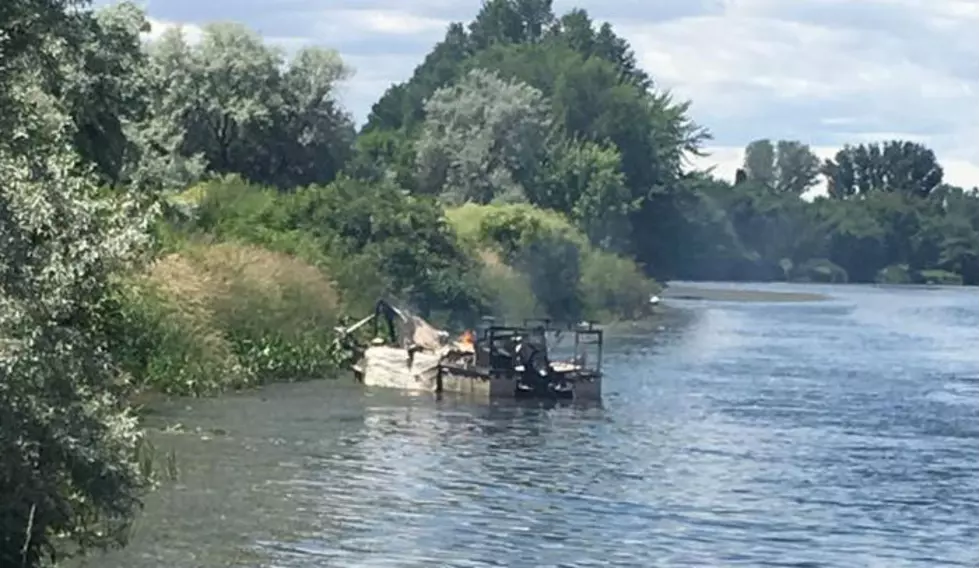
<point x="233" y="101"/>
<point x="483" y="139"/>
<point x="796" y="167"/>
<point x="787" y="166"/>
<point x="893" y="166"/>
<point x="105" y="91"/>
<point x="68" y="476"/>
<point x="511" y="21"/>
<point x="759" y="162"/>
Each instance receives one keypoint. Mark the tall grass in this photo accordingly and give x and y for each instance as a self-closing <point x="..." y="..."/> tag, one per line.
<point x="216" y="316"/>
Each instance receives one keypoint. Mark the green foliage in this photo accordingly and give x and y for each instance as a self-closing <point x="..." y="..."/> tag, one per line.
<point x="483" y="140"/>
<point x="787" y="166"/>
<point x="568" y="277"/>
<point x="232" y="104"/>
<point x="617" y="146"/>
<point x="614" y="163"/>
<point x="372" y="238"/>
<point x="613" y="287"/>
<point x="213" y="317"/>
<point x="508" y="291"/>
<point x="106" y="89"/>
<point x="893" y="166"/>
<point x="881" y="225"/>
<point x="69" y="478"/>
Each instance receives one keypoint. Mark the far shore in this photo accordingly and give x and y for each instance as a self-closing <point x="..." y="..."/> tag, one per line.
<point x="687" y="292"/>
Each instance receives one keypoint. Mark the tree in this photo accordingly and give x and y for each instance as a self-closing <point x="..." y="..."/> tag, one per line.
<point x="796" y="167"/>
<point x="586" y="183"/>
<point x="616" y="50"/>
<point x="482" y="140"/>
<point x="69" y="465"/>
<point x="315" y="134"/>
<point x="232" y="101"/>
<point x="759" y="162"/>
<point x="401" y="107"/>
<point x="894" y="166"/>
<point x="788" y="166"/>
<point x="390" y="243"/>
<point x="105" y="90"/>
<point x="161" y="158"/>
<point x="35" y="35"/>
<point x="511" y="21"/>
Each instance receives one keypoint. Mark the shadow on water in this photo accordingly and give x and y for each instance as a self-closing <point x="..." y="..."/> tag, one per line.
<point x="838" y="433"/>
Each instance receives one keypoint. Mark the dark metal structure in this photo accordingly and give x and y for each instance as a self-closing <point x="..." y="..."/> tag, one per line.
<point x="506" y="360"/>
<point x="522" y="354"/>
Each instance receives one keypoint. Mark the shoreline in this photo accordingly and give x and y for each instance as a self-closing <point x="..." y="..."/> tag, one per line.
<point x="687" y="292"/>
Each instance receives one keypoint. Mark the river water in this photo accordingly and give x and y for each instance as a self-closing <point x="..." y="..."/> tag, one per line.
<point x="835" y="433"/>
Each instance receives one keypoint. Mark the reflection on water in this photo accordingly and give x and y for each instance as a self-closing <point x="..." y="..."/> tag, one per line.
<point x="841" y="433"/>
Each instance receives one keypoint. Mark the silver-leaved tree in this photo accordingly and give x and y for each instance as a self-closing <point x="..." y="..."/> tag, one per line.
<point x="69" y="476"/>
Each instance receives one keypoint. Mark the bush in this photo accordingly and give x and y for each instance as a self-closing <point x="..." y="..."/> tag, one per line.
<point x="567" y="276"/>
<point x="507" y="291"/>
<point x="371" y="237"/>
<point x="940" y="278"/>
<point x="613" y="287"/>
<point x="214" y="317"/>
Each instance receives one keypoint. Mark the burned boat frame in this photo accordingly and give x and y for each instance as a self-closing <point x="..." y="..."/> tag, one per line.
<point x="497" y="361"/>
<point x="498" y="369"/>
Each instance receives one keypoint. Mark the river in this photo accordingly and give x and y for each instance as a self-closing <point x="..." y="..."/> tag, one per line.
<point x="835" y="433"/>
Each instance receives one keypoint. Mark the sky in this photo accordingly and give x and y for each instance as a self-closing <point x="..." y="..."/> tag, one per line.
<point x="824" y="72"/>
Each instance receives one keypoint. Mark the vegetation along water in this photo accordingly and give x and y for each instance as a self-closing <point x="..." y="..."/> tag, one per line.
<point x="188" y="218"/>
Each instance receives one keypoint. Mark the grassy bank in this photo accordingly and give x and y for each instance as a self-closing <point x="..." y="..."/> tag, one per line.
<point x="210" y="317"/>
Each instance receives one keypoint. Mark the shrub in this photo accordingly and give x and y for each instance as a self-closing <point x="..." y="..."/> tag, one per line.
<point x="567" y="276"/>
<point x="940" y="278"/>
<point x="371" y="237"/>
<point x="508" y="292"/>
<point x="613" y="287"/>
<point x="229" y="315"/>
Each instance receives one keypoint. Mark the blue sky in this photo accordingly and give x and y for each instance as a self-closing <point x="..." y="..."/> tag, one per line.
<point x="826" y="72"/>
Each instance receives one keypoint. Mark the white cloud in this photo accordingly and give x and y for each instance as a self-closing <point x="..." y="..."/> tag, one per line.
<point x="193" y="34"/>
<point x="376" y="25"/>
<point x="396" y="22"/>
<point x="961" y="172"/>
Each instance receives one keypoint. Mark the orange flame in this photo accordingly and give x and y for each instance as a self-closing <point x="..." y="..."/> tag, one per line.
<point x="466" y="342"/>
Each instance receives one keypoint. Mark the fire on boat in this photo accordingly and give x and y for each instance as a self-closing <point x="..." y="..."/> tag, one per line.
<point x="491" y="362"/>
